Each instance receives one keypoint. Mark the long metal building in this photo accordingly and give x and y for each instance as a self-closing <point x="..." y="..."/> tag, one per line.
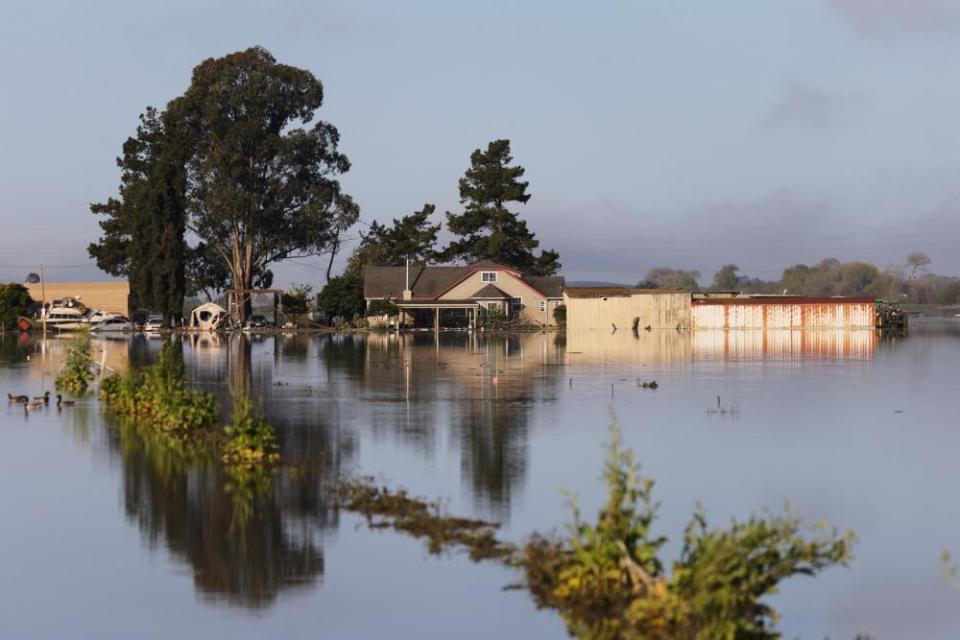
<point x="627" y="309"/>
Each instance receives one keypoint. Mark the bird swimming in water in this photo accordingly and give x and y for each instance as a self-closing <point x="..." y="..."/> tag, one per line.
<point x="17" y="399"/>
<point x="45" y="398"/>
<point x="64" y="403"/>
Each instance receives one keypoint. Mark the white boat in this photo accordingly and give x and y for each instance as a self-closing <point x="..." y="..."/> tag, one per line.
<point x="66" y="314"/>
<point x="69" y="314"/>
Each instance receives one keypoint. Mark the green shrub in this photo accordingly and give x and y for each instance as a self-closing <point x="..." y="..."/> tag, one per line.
<point x="382" y="308"/>
<point x="342" y="297"/>
<point x="159" y="394"/>
<point x="14" y="301"/>
<point x="250" y="439"/>
<point x="76" y="374"/>
<point x="560" y="315"/>
<point x="608" y="582"/>
<point x="495" y="318"/>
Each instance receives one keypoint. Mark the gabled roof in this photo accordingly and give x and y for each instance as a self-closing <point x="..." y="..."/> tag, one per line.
<point x="425" y="282"/>
<point x="432" y="282"/>
<point x="490" y="292"/>
<point x="550" y="286"/>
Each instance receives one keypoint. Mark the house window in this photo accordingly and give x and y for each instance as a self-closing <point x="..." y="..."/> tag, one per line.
<point x="556" y="303"/>
<point x="488" y="276"/>
<point x="516" y="304"/>
<point x="543" y="305"/>
<point x="492" y="306"/>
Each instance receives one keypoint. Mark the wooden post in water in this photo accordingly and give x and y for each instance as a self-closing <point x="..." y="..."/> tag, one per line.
<point x="43" y="304"/>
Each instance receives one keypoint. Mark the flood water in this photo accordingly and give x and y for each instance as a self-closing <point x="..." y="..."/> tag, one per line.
<point x="107" y="535"/>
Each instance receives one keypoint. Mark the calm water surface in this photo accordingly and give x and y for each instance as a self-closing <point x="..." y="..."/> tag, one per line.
<point x="107" y="535"/>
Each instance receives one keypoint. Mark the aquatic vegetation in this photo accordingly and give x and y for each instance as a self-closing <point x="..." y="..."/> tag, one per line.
<point x="160" y="395"/>
<point x="607" y="580"/>
<point x="383" y="507"/>
<point x="950" y="570"/>
<point x="251" y="440"/>
<point x="77" y="372"/>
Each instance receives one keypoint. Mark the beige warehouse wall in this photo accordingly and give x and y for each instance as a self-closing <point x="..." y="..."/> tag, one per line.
<point x="512" y="287"/>
<point x="656" y="310"/>
<point x="109" y="296"/>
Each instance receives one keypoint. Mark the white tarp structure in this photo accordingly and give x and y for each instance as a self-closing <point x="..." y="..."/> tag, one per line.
<point x="207" y="317"/>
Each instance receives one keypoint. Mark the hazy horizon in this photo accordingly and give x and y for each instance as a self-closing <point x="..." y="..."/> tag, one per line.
<point x="689" y="135"/>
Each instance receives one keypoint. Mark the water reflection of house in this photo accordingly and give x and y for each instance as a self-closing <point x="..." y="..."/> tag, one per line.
<point x="441" y="296"/>
<point x="485" y="389"/>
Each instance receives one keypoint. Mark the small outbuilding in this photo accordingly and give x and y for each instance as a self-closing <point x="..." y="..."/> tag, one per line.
<point x="207" y="317"/>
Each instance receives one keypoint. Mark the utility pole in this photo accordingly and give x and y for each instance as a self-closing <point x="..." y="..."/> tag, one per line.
<point x="43" y="303"/>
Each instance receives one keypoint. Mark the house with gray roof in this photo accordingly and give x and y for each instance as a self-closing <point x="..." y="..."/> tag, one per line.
<point x="441" y="295"/>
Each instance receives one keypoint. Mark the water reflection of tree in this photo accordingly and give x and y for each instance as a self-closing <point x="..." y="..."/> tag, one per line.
<point x="179" y="498"/>
<point x="492" y="424"/>
<point x="488" y="419"/>
<point x="247" y="536"/>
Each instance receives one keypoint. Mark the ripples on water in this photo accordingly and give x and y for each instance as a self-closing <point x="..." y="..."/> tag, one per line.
<point x="853" y="429"/>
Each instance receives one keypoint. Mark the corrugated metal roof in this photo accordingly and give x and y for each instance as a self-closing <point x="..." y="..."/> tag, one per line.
<point x="787" y="300"/>
<point x="610" y="292"/>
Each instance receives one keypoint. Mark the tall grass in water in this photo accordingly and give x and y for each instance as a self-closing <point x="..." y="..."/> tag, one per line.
<point x="159" y="394"/>
<point x="77" y="371"/>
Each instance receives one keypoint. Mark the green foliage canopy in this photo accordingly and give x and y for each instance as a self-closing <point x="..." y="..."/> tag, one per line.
<point x="144" y="228"/>
<point x="14" y="301"/>
<point x="411" y="237"/>
<point x="261" y="174"/>
<point x="487" y="229"/>
<point x="342" y="297"/>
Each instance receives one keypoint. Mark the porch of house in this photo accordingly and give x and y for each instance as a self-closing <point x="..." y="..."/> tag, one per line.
<point x="437" y="314"/>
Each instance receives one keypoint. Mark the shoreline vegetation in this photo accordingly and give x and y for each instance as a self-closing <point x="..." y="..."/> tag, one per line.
<point x="606" y="579"/>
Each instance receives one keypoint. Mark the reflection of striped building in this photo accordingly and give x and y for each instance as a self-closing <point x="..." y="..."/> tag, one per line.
<point x="784" y="343"/>
<point x="597" y="347"/>
<point x="108" y="296"/>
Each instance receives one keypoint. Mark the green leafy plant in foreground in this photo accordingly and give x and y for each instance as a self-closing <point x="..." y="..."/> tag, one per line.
<point x="160" y="395"/>
<point x="250" y="440"/>
<point x="608" y="582"/>
<point x="76" y="374"/>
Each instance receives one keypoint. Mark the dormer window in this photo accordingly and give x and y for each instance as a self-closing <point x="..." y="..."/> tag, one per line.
<point x="488" y="276"/>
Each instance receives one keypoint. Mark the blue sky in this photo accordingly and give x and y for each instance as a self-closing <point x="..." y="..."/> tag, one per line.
<point x="678" y="133"/>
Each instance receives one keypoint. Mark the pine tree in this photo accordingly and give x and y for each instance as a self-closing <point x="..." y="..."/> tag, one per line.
<point x="487" y="229"/>
<point x="144" y="229"/>
<point x="411" y="237"/>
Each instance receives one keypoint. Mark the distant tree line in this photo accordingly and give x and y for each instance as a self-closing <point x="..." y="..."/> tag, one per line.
<point x="910" y="281"/>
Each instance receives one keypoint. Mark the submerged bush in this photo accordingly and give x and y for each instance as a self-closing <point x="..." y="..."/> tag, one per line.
<point x="160" y="395"/>
<point x="76" y="374"/>
<point x="608" y="582"/>
<point x="383" y="507"/>
<point x="250" y="439"/>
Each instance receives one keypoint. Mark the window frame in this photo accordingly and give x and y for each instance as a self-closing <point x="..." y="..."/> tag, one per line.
<point x="488" y="276"/>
